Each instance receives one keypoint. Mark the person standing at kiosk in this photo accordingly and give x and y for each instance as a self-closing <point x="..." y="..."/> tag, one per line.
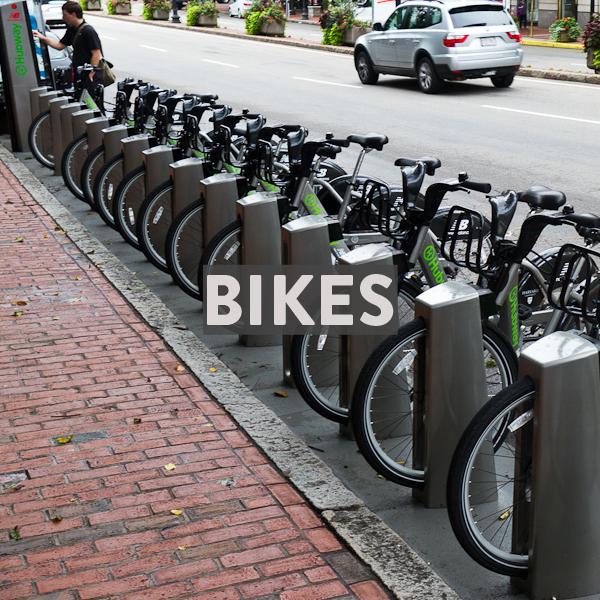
<point x="84" y="39"/>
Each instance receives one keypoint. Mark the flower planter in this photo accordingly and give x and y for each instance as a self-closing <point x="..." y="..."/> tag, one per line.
<point x="122" y="9"/>
<point x="207" y="20"/>
<point x="272" y="29"/>
<point x="314" y="12"/>
<point x="590" y="60"/>
<point x="160" y="15"/>
<point x="349" y="36"/>
<point x="94" y="5"/>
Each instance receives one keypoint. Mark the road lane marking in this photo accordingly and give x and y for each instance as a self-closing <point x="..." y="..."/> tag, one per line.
<point x="214" y="62"/>
<point x="537" y="114"/>
<point x="153" y="48"/>
<point x="105" y="37"/>
<point x="359" y="87"/>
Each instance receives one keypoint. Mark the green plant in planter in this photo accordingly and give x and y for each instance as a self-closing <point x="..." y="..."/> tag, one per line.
<point x="338" y="17"/>
<point x="264" y="12"/>
<point x="206" y="8"/>
<point x="567" y="24"/>
<point x="151" y="5"/>
<point x="591" y="39"/>
<point x="112" y="4"/>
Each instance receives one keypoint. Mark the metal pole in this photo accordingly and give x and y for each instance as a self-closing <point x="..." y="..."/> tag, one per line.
<point x="304" y="14"/>
<point x="175" y="17"/>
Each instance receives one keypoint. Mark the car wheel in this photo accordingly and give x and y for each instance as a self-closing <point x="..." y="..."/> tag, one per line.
<point x="365" y="70"/>
<point x="503" y="81"/>
<point x="428" y="79"/>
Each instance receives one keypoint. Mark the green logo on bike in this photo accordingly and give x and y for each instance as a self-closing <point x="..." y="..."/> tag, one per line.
<point x="312" y="203"/>
<point x="20" y="67"/>
<point x="431" y="259"/>
<point x="514" y="315"/>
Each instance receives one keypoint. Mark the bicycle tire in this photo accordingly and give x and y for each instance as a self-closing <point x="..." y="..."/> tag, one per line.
<point x="39" y="137"/>
<point x="153" y="221"/>
<point x="106" y="183"/>
<point x="481" y="509"/>
<point x="89" y="171"/>
<point x="223" y="250"/>
<point x="184" y="245"/>
<point x="72" y="163"/>
<point x="126" y="204"/>
<point x="385" y="436"/>
<point x="315" y="366"/>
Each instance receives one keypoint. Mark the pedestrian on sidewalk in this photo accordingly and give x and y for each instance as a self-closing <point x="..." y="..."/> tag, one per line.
<point x="521" y="14"/>
<point x="87" y="48"/>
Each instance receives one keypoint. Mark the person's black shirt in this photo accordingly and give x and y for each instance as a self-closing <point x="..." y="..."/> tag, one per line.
<point x="87" y="41"/>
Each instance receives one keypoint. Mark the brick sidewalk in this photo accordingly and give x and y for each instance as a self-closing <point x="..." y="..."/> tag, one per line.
<point x="157" y="494"/>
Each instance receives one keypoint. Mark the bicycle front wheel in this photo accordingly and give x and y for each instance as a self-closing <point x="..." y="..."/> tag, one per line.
<point x="385" y="415"/>
<point x="72" y="162"/>
<point x="39" y="137"/>
<point x="109" y="177"/>
<point x="315" y="362"/>
<point x="89" y="171"/>
<point x="126" y="204"/>
<point x="489" y="484"/>
<point x="224" y="249"/>
<point x="153" y="221"/>
<point x="184" y="245"/>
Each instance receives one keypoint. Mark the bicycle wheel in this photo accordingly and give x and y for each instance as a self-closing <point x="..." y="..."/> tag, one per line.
<point x="223" y="249"/>
<point x="383" y="416"/>
<point x="127" y="200"/>
<point x="108" y="179"/>
<point x="490" y="483"/>
<point x="153" y="221"/>
<point x="89" y="171"/>
<point x="315" y="361"/>
<point x="72" y="163"/>
<point x="39" y="137"/>
<point x="185" y="242"/>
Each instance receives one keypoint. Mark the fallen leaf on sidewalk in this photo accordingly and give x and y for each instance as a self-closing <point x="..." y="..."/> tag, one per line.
<point x="227" y="482"/>
<point x="56" y="519"/>
<point x="182" y="547"/>
<point x="176" y="512"/>
<point x="504" y="515"/>
<point x="9" y="202"/>
<point x="212" y="370"/>
<point x="281" y="394"/>
<point x="64" y="440"/>
<point x="75" y="299"/>
<point x="56" y="318"/>
<point x="19" y="239"/>
<point x="14" y="533"/>
<point x="19" y="303"/>
<point x="90" y="252"/>
<point x="179" y="368"/>
<point x="17" y="313"/>
<point x="208" y="424"/>
<point x="169" y="467"/>
<point x="137" y="420"/>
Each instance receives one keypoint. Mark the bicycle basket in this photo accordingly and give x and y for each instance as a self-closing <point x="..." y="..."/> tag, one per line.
<point x="379" y="210"/>
<point x="463" y="241"/>
<point x="574" y="285"/>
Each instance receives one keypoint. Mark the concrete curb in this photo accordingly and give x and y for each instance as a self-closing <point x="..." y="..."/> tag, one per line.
<point x="405" y="573"/>
<point x="524" y="71"/>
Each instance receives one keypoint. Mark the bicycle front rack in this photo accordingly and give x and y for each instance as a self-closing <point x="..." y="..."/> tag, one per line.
<point x="380" y="211"/>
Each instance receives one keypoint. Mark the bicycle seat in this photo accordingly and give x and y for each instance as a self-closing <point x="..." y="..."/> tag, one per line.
<point x="371" y="140"/>
<point x="295" y="141"/>
<point x="539" y="196"/>
<point x="430" y="163"/>
<point x="219" y="115"/>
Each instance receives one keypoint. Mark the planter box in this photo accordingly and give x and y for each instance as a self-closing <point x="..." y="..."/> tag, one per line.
<point x="350" y="36"/>
<point x="94" y="5"/>
<point x="207" y="21"/>
<point x="123" y="9"/>
<point x="314" y="12"/>
<point x="272" y="29"/>
<point x="590" y="60"/>
<point x="160" y="15"/>
<point x="563" y="36"/>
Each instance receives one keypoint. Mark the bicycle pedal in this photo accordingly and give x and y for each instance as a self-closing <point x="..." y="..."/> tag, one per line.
<point x="524" y="312"/>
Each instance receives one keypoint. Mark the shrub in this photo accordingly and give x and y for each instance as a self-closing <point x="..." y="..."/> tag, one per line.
<point x="337" y="18"/>
<point x="567" y="24"/>
<point x="263" y="11"/>
<point x="112" y="4"/>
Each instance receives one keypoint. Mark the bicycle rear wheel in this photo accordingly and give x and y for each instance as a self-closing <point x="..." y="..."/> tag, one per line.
<point x="153" y="221"/>
<point x="184" y="245"/>
<point x="39" y="137"/>
<point x="490" y="483"/>
<point x="128" y="198"/>
<point x="315" y="361"/>
<point x="72" y="162"/>
<point x="384" y="413"/>
<point x="89" y="171"/>
<point x="108" y="179"/>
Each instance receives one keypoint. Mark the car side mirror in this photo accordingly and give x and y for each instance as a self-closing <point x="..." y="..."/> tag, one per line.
<point x="377" y="27"/>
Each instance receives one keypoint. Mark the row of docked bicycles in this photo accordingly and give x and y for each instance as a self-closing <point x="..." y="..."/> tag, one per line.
<point x="526" y="293"/>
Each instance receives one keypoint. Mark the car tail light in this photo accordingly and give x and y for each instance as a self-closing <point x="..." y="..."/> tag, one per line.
<point x="450" y="41"/>
<point x="514" y="36"/>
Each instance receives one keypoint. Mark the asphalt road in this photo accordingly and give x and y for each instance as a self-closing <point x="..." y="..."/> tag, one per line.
<point x="534" y="132"/>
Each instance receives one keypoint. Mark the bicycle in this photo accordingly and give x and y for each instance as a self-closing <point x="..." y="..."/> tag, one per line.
<point x="39" y="135"/>
<point x="389" y="371"/>
<point x="482" y="503"/>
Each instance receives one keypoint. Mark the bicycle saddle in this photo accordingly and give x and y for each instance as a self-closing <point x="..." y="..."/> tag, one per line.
<point x="371" y="140"/>
<point x="430" y="163"/>
<point x="539" y="196"/>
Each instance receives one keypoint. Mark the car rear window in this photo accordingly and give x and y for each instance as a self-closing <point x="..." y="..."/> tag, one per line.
<point x="480" y="15"/>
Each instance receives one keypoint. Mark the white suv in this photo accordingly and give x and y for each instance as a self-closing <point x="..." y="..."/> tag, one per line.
<point x="434" y="40"/>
